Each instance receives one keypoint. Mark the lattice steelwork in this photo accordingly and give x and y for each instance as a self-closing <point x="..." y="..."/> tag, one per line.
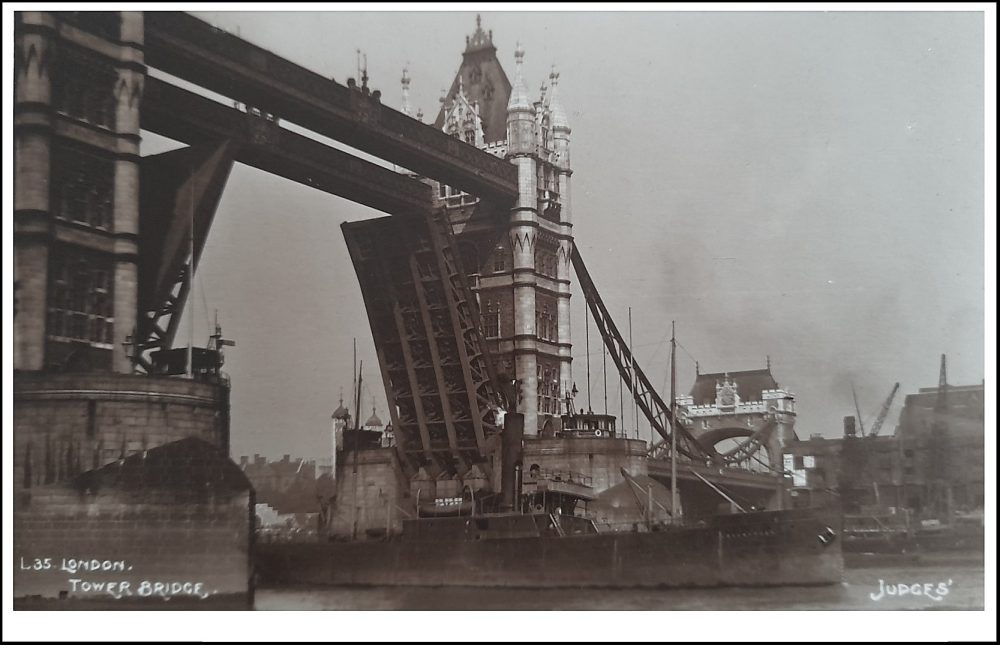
<point x="440" y="383"/>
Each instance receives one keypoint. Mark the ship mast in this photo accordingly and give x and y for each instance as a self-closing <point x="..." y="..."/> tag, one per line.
<point x="357" y="446"/>
<point x="635" y="397"/>
<point x="675" y="510"/>
<point x="190" y="280"/>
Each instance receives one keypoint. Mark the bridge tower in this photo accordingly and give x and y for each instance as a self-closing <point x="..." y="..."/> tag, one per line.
<point x="82" y="217"/>
<point x="78" y="83"/>
<point x="85" y="208"/>
<point x="518" y="261"/>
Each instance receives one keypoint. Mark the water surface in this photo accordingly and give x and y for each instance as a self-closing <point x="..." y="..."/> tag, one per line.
<point x="863" y="588"/>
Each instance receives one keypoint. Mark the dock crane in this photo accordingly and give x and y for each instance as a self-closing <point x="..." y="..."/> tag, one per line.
<point x="877" y="425"/>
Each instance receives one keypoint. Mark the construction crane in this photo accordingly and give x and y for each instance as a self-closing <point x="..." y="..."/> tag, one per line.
<point x="939" y="486"/>
<point x="861" y="424"/>
<point x="884" y="412"/>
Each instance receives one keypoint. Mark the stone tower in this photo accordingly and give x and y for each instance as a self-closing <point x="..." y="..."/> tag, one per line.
<point x="78" y="256"/>
<point x="518" y="261"/>
<point x="78" y="86"/>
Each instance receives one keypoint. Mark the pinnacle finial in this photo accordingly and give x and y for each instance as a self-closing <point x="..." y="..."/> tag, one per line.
<point x="479" y="21"/>
<point x="519" y="93"/>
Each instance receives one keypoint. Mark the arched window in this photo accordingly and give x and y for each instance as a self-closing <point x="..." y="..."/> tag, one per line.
<point x="80" y="305"/>
<point x="491" y="319"/>
<point x="499" y="258"/>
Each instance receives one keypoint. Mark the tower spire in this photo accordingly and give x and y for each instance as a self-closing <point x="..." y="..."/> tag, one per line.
<point x="559" y="120"/>
<point x="405" y="82"/>
<point x="519" y="92"/>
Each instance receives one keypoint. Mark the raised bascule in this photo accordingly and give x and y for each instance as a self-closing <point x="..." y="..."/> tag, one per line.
<point x="466" y="282"/>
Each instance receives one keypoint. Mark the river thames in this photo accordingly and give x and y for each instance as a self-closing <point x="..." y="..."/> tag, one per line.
<point x="957" y="585"/>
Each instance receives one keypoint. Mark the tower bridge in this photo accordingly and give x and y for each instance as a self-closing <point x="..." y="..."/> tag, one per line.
<point x="466" y="282"/>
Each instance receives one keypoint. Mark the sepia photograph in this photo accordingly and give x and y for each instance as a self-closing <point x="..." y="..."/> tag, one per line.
<point x="470" y="312"/>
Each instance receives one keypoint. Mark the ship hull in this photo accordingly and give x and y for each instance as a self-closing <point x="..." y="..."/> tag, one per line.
<point x="758" y="549"/>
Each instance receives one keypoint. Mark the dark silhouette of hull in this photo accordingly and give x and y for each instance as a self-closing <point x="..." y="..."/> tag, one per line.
<point x="796" y="547"/>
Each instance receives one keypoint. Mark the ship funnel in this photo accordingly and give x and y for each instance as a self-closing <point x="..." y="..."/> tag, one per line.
<point x="510" y="443"/>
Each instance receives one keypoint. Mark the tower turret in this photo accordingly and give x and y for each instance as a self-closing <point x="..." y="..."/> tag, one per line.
<point x="405" y="82"/>
<point x="560" y="125"/>
<point x="520" y="112"/>
<point x="522" y="151"/>
<point x="560" y="159"/>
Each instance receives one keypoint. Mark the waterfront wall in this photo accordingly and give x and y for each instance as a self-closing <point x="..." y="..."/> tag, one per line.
<point x="171" y="528"/>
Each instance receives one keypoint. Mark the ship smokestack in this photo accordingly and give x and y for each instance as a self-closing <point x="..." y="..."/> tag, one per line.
<point x="511" y="440"/>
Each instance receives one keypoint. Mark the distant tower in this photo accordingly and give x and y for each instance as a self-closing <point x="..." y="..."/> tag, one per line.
<point x="340" y="420"/>
<point x="405" y="82"/>
<point x="373" y="422"/>
<point x="521" y="277"/>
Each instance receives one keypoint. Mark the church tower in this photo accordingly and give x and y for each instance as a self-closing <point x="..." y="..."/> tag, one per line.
<point x="518" y="261"/>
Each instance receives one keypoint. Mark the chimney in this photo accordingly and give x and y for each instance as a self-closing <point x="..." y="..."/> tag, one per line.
<point x="243" y="462"/>
<point x="849" y="429"/>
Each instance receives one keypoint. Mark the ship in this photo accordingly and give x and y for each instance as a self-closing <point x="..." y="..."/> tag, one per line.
<point x="900" y="533"/>
<point x="547" y="540"/>
<point x="544" y="550"/>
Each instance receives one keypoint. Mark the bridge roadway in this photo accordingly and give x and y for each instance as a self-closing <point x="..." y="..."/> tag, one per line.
<point x="260" y="142"/>
<point x="188" y="48"/>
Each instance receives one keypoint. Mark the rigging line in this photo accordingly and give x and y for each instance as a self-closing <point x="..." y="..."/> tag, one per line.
<point x="666" y="376"/>
<point x="735" y="496"/>
<point x="778" y="471"/>
<point x="204" y="302"/>
<point x="604" y="353"/>
<point x="587" y="321"/>
<point x="693" y="359"/>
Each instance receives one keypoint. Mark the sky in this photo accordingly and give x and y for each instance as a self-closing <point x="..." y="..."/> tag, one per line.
<point x="804" y="186"/>
<point x="807" y="186"/>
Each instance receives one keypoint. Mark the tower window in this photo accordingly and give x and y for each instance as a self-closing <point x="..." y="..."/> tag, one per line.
<point x="491" y="319"/>
<point x="106" y="24"/>
<point x="83" y="86"/>
<point x="499" y="259"/>
<point x="80" y="303"/>
<point x="82" y="186"/>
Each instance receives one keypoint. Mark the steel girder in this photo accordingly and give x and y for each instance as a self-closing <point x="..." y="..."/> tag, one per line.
<point x="439" y="379"/>
<point x="195" y="51"/>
